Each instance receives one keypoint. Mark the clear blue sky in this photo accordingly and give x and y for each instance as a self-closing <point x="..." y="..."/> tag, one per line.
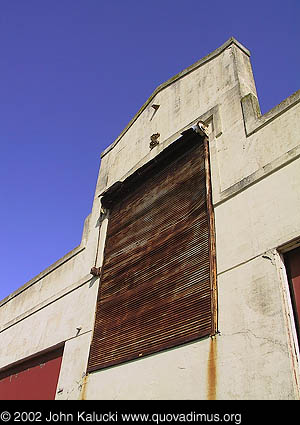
<point x="74" y="72"/>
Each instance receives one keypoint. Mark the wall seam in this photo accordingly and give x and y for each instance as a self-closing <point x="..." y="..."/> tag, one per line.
<point x="254" y="178"/>
<point x="262" y="254"/>
<point x="44" y="304"/>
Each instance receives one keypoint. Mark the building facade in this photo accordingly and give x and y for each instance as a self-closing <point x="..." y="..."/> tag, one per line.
<point x="186" y="284"/>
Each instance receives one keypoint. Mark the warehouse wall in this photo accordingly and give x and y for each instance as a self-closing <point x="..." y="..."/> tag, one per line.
<point x="255" y="176"/>
<point x="256" y="196"/>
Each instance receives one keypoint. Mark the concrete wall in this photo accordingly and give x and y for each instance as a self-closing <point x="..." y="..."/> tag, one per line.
<point x="256" y="194"/>
<point x="56" y="307"/>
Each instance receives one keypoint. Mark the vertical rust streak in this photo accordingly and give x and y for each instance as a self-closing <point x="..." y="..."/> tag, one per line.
<point x="212" y="242"/>
<point x="212" y="370"/>
<point x="83" y="388"/>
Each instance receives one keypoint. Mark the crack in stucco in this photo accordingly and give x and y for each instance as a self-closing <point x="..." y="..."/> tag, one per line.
<point x="268" y="340"/>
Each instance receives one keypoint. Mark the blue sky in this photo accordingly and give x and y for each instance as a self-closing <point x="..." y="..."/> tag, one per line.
<point x="74" y="72"/>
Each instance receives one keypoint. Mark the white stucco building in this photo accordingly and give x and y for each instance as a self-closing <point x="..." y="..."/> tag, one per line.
<point x="232" y="334"/>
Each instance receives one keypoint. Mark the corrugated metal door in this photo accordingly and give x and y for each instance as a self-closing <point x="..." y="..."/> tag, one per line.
<point x="155" y="288"/>
<point x="34" y="379"/>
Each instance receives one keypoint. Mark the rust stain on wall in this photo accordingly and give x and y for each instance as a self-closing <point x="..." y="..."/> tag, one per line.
<point x="83" y="387"/>
<point x="212" y="369"/>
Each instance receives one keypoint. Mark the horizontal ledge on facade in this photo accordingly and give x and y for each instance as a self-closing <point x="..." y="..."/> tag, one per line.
<point x="47" y="302"/>
<point x="254" y="121"/>
<point x="40" y="352"/>
<point x="258" y="175"/>
<point x="44" y="273"/>
<point x="32" y="356"/>
<point x="269" y="254"/>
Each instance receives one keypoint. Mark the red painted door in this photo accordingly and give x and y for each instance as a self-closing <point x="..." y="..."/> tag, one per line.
<point x="34" y="379"/>
<point x="292" y="260"/>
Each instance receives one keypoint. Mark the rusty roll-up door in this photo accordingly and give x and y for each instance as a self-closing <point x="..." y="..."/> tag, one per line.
<point x="156" y="287"/>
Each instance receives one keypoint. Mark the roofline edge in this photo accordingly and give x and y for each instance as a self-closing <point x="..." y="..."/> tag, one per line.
<point x="171" y="80"/>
